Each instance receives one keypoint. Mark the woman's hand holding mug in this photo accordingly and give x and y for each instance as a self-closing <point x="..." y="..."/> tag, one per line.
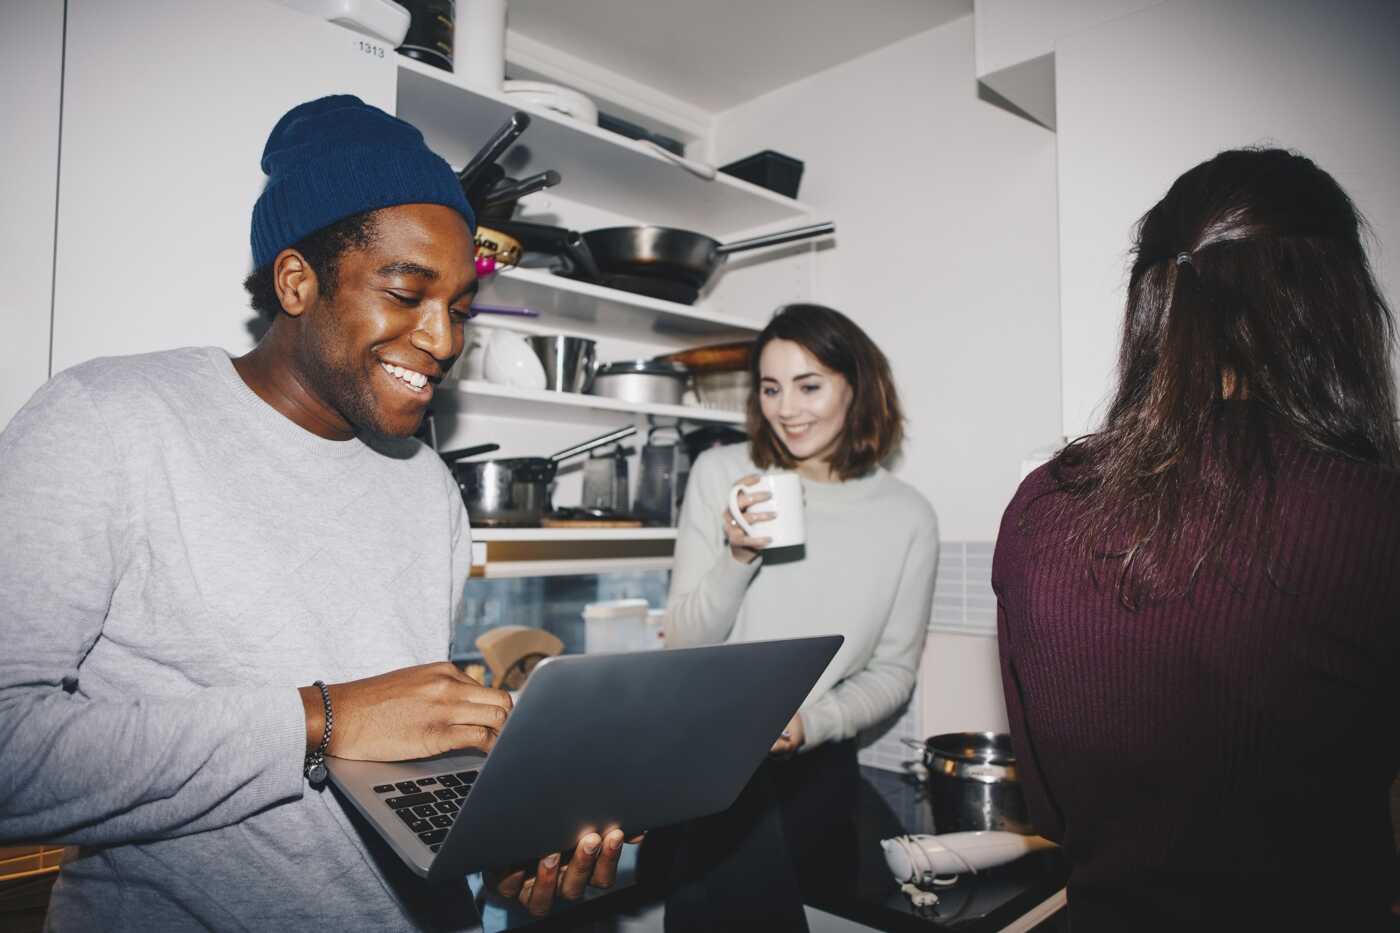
<point x="742" y="544"/>
<point x="786" y="514"/>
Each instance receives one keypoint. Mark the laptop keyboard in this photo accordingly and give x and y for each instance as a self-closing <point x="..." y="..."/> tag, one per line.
<point x="429" y="805"/>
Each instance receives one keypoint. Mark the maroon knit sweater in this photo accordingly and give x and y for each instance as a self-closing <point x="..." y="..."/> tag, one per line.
<point x="1221" y="760"/>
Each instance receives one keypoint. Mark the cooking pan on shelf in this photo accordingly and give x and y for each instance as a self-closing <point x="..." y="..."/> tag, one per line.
<point x="514" y="491"/>
<point x="662" y="262"/>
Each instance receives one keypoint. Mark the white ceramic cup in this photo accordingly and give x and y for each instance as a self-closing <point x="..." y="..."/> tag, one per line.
<point x="789" y="524"/>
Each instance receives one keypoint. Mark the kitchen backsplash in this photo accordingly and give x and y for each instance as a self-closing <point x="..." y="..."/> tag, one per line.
<point x="963" y="602"/>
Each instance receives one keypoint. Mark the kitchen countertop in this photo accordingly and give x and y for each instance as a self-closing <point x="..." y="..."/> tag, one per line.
<point x="893" y="804"/>
<point x="1013" y="897"/>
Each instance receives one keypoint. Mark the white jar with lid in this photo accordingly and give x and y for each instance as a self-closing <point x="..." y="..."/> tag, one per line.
<point x="621" y="625"/>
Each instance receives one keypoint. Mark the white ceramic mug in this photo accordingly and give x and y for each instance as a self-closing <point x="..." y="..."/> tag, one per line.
<point x="789" y="524"/>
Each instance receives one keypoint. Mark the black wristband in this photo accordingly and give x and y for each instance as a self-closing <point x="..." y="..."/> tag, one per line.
<point x="315" y="765"/>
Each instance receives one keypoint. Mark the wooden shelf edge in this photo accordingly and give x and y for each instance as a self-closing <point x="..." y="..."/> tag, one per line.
<point x="563" y="568"/>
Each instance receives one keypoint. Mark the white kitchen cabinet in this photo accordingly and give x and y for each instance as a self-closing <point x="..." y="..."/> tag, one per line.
<point x="166" y="107"/>
<point x="31" y="63"/>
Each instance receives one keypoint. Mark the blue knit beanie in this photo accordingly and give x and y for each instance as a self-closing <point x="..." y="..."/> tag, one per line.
<point x="330" y="158"/>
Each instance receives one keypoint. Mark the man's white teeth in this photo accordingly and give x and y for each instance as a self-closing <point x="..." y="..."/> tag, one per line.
<point x="417" y="380"/>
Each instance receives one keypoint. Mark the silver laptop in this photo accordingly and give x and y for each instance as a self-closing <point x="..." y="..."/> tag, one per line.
<point x="636" y="741"/>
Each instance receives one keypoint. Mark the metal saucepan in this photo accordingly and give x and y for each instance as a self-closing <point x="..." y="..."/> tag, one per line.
<point x="661" y="262"/>
<point x="642" y="381"/>
<point x="972" y="782"/>
<point x="514" y="491"/>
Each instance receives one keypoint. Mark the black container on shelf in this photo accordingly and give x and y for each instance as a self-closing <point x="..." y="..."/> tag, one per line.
<point x="768" y="169"/>
<point x="430" y="31"/>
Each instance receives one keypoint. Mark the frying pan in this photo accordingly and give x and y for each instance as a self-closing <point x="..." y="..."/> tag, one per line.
<point x="662" y="262"/>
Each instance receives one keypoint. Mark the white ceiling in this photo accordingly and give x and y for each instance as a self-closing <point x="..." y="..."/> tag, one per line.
<point x="716" y="54"/>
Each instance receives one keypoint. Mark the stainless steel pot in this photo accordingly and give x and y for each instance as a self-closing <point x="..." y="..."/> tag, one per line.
<point x="645" y="381"/>
<point x="568" y="361"/>
<point x="972" y="782"/>
<point x="514" y="491"/>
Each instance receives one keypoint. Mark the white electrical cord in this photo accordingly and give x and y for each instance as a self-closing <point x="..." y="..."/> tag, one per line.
<point x="700" y="169"/>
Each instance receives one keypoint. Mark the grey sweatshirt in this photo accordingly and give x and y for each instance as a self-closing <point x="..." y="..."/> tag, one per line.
<point x="867" y="573"/>
<point x="175" y="559"/>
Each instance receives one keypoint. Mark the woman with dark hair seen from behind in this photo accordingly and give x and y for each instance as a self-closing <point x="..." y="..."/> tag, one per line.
<point x="1199" y="605"/>
<point x="824" y="406"/>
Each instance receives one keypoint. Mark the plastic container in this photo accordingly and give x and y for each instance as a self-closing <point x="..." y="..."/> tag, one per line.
<point x="621" y="625"/>
<point x="768" y="169"/>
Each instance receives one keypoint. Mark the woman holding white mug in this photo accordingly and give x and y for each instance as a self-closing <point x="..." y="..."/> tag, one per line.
<point x="802" y="532"/>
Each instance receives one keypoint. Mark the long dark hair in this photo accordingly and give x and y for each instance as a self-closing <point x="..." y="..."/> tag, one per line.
<point x="1250" y="280"/>
<point x="874" y="423"/>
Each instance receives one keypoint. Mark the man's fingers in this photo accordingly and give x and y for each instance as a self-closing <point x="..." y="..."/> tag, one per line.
<point x="538" y="893"/>
<point x="479" y="714"/>
<point x="475" y="737"/>
<point x="580" y="867"/>
<point x="510" y="885"/>
<point x="605" y="872"/>
<point x="488" y="696"/>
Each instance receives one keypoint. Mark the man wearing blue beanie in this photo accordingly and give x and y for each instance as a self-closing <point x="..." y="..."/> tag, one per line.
<point x="209" y="565"/>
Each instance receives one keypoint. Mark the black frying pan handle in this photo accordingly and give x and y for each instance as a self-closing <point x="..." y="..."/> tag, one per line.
<point x="557" y="241"/>
<point x="537" y="238"/>
<point x="452" y="456"/>
<point x="773" y="239"/>
<point x="476" y="189"/>
<point x="518" y="190"/>
<point x="499" y="142"/>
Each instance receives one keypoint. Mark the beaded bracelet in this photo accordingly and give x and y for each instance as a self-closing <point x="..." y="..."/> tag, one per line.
<point x="315" y="766"/>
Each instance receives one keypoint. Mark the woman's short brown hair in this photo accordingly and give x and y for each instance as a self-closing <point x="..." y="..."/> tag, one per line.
<point x="874" y="423"/>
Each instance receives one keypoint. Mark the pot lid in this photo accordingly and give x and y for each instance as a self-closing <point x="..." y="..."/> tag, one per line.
<point x="645" y="367"/>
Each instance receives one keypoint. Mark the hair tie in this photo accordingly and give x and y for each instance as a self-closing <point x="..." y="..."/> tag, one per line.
<point x="1183" y="258"/>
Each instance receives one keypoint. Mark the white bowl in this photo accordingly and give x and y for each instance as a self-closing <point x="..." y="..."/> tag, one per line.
<point x="555" y="97"/>
<point x="509" y="361"/>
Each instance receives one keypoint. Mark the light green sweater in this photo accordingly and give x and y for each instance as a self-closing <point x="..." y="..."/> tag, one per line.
<point x="866" y="573"/>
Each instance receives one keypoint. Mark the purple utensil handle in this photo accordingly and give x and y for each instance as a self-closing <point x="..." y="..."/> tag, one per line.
<point x="503" y="309"/>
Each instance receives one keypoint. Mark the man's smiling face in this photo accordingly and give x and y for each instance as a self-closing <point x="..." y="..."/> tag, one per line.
<point x="373" y="353"/>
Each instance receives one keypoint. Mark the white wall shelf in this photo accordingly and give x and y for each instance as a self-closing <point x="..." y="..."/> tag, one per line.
<point x="609" y="312"/>
<point x="491" y="400"/>
<point x="598" y="167"/>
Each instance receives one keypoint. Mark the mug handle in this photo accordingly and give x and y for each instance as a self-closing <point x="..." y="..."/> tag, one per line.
<point x="734" y="506"/>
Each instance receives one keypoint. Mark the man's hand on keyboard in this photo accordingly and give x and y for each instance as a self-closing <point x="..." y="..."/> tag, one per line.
<point x="413" y="712"/>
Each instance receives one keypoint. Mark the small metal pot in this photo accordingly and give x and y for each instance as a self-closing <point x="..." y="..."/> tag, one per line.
<point x="642" y="381"/>
<point x="514" y="491"/>
<point x="568" y="361"/>
<point x="972" y="782"/>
